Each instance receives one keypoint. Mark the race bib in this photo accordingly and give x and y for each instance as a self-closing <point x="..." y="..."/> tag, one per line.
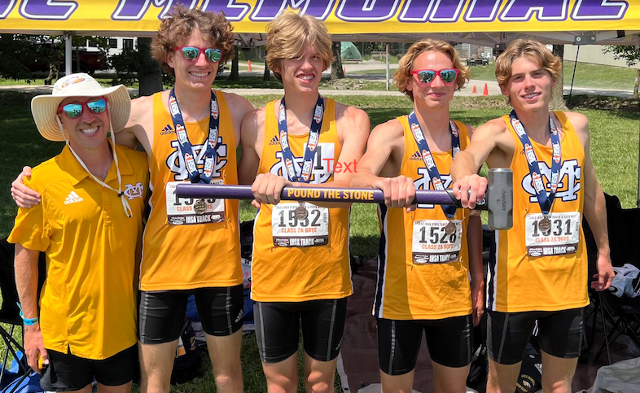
<point x="433" y="243"/>
<point x="192" y="211"/>
<point x="559" y="236"/>
<point x="299" y="225"/>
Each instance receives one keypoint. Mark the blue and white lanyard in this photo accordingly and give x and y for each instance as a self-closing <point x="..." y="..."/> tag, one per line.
<point x="186" y="149"/>
<point x="427" y="158"/>
<point x="312" y="142"/>
<point x="544" y="200"/>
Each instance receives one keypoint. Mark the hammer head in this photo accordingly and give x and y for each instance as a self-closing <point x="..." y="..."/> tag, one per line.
<point x="499" y="198"/>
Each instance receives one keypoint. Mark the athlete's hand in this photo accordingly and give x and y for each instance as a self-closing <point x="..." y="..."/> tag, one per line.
<point x="21" y="194"/>
<point x="398" y="192"/>
<point x="477" y="302"/>
<point x="267" y="188"/>
<point x="470" y="189"/>
<point x="602" y="280"/>
<point x="34" y="347"/>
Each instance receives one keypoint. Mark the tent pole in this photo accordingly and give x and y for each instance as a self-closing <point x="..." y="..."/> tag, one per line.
<point x="387" y="71"/>
<point x="67" y="53"/>
<point x="638" y="192"/>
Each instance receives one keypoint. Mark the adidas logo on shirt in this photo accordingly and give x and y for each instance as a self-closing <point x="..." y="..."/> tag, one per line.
<point x="416" y="156"/>
<point x="167" y="130"/>
<point x="72" y="198"/>
<point x="274" y="141"/>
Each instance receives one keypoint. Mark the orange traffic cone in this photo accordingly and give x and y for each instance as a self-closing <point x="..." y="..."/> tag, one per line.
<point x="485" y="92"/>
<point x="249" y="62"/>
<point x="473" y="91"/>
<point x="344" y="71"/>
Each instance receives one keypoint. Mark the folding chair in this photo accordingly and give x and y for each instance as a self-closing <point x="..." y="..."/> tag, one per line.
<point x="617" y="315"/>
<point x="9" y="312"/>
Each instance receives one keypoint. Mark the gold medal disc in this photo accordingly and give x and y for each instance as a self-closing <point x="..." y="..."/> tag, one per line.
<point x="301" y="212"/>
<point x="200" y="206"/>
<point x="450" y="229"/>
<point x="544" y="224"/>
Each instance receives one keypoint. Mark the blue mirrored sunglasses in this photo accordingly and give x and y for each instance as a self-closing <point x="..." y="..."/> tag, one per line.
<point x="74" y="110"/>
<point x="191" y="53"/>
<point x="425" y="77"/>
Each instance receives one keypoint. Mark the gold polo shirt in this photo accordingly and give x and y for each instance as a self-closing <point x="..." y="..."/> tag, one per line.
<point x="88" y="301"/>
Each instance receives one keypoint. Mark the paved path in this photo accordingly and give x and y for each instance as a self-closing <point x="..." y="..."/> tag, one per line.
<point x="492" y="88"/>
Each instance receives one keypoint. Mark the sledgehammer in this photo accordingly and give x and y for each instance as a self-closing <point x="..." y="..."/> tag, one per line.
<point x="498" y="200"/>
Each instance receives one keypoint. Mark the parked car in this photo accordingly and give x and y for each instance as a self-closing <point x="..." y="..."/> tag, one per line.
<point x="477" y="61"/>
<point x="89" y="61"/>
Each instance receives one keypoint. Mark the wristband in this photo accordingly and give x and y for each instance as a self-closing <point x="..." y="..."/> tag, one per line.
<point x="27" y="321"/>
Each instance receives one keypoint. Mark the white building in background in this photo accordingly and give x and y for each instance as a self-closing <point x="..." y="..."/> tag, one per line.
<point x="115" y="45"/>
<point x="591" y="54"/>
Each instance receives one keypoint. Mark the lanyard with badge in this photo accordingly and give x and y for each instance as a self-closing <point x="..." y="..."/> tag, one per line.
<point x="429" y="163"/>
<point x="200" y="206"/>
<point x="544" y="200"/>
<point x="430" y="244"/>
<point x="540" y="238"/>
<point x="293" y="227"/>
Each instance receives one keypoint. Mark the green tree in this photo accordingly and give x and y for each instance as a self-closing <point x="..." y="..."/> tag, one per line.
<point x="631" y="55"/>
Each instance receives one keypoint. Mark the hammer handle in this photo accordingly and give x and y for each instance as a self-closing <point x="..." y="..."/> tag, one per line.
<point x="317" y="194"/>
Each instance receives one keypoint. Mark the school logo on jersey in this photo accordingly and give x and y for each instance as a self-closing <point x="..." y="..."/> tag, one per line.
<point x="321" y="168"/>
<point x="133" y="191"/>
<point x="178" y="167"/>
<point x="568" y="184"/>
<point x="423" y="183"/>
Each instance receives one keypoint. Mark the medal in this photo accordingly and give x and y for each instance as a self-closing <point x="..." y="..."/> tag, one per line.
<point x="544" y="225"/>
<point x="450" y="229"/>
<point x="200" y="206"/>
<point x="301" y="212"/>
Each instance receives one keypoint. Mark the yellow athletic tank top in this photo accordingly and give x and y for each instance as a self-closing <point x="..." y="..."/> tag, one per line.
<point x="295" y="274"/>
<point x="432" y="290"/>
<point x="527" y="278"/>
<point x="182" y="251"/>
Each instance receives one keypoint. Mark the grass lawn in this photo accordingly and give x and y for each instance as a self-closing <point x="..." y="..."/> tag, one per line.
<point x="587" y="75"/>
<point x="608" y="77"/>
<point x="614" y="148"/>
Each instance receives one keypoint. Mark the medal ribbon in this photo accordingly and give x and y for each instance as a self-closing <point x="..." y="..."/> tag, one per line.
<point x="186" y="149"/>
<point x="544" y="200"/>
<point x="312" y="142"/>
<point x="427" y="158"/>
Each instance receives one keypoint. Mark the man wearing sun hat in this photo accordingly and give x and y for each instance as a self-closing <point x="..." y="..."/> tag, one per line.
<point x="89" y="224"/>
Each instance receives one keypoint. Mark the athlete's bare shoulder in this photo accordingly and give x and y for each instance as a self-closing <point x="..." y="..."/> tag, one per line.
<point x="580" y="124"/>
<point x="238" y="105"/>
<point x="391" y="130"/>
<point x="493" y="142"/>
<point x="253" y="128"/>
<point x="139" y="128"/>
<point x="350" y="113"/>
<point x="352" y="123"/>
